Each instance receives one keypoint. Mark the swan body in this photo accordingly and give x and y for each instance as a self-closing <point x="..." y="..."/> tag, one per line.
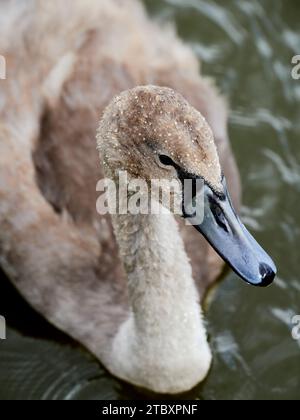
<point x="126" y="287"/>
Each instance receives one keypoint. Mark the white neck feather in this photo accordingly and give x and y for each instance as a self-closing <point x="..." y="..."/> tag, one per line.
<point x="163" y="344"/>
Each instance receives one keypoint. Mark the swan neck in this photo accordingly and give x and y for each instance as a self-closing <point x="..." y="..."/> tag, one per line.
<point x="162" y="345"/>
<point x="160" y="284"/>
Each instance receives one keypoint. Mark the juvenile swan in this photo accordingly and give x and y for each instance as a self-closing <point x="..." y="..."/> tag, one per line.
<point x="126" y="287"/>
<point x="153" y="133"/>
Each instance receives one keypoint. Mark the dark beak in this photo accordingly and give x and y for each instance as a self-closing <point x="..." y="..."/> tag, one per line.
<point x="223" y="229"/>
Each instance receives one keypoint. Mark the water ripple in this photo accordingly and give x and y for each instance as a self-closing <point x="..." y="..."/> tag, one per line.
<point x="217" y="14"/>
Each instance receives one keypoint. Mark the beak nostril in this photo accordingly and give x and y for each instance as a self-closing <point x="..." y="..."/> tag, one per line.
<point x="267" y="274"/>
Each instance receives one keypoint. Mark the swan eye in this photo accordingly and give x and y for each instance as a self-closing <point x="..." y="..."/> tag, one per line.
<point x="219" y="215"/>
<point x="166" y="160"/>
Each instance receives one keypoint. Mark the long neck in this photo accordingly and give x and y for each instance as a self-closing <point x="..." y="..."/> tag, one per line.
<point x="162" y="345"/>
<point x="161" y="289"/>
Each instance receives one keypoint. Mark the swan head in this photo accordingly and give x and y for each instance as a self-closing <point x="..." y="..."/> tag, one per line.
<point x="148" y="130"/>
<point x="154" y="133"/>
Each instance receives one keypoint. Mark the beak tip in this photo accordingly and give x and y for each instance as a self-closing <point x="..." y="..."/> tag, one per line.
<point x="267" y="274"/>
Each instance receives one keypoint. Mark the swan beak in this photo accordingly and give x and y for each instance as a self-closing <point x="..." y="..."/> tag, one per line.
<point x="228" y="236"/>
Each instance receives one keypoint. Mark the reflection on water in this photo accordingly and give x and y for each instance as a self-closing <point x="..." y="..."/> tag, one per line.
<point x="247" y="46"/>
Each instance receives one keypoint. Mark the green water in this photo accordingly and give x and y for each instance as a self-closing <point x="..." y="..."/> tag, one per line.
<point x="247" y="46"/>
